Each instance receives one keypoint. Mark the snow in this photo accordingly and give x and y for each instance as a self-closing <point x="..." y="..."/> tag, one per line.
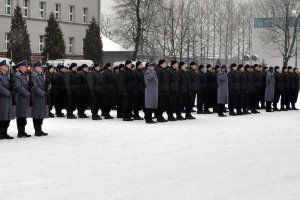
<point x="109" y="45"/>
<point x="255" y="157"/>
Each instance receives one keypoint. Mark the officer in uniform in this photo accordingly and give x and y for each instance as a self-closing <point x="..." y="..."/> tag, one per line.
<point x="174" y="89"/>
<point x="50" y="77"/>
<point x="202" y="100"/>
<point x="109" y="84"/>
<point x="60" y="90"/>
<point x="23" y="98"/>
<point x="84" y="94"/>
<point x="72" y="82"/>
<point x="40" y="99"/>
<point x="234" y="87"/>
<point x="296" y="88"/>
<point x="192" y="84"/>
<point x="6" y="100"/>
<point x="139" y="93"/>
<point x="163" y="77"/>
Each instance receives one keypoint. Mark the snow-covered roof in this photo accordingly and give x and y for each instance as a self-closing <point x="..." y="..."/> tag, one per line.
<point x="109" y="45"/>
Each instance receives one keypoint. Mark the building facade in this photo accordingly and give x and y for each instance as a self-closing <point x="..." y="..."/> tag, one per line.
<point x="268" y="54"/>
<point x="73" y="16"/>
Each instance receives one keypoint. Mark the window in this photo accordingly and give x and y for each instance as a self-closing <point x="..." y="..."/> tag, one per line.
<point x="57" y="12"/>
<point x="26" y="8"/>
<point x="71" y="13"/>
<point x="42" y="10"/>
<point x="71" y="45"/>
<point x="85" y="15"/>
<point x="41" y="43"/>
<point x="7" y="38"/>
<point x="7" y="7"/>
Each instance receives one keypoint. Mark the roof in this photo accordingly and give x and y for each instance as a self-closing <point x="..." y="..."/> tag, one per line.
<point x="109" y="45"/>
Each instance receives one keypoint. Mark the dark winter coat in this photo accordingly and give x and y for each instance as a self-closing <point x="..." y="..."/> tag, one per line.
<point x="109" y="82"/>
<point x="183" y="89"/>
<point x="257" y="80"/>
<point x="40" y="109"/>
<point x="163" y="77"/>
<point x="139" y="81"/>
<point x="174" y="80"/>
<point x="285" y="81"/>
<point x="202" y="82"/>
<point x="192" y="81"/>
<point x="151" y="91"/>
<point x="278" y="81"/>
<point x="72" y="82"/>
<point x="243" y="83"/>
<point x="23" y="109"/>
<point x="7" y="110"/>
<point x="291" y="81"/>
<point x="296" y="81"/>
<point x="95" y="82"/>
<point x="270" y="88"/>
<point x="129" y="80"/>
<point x="234" y="81"/>
<point x="59" y="82"/>
<point x="222" y="80"/>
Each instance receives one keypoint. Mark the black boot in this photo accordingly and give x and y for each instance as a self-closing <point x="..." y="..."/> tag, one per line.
<point x="22" y="133"/>
<point x="42" y="132"/>
<point x="38" y="132"/>
<point x="171" y="118"/>
<point x="137" y="116"/>
<point x="108" y="116"/>
<point x="96" y="117"/>
<point x="51" y="115"/>
<point x="2" y="134"/>
<point x="7" y="136"/>
<point x="189" y="116"/>
<point x="60" y="115"/>
<point x="246" y="112"/>
<point x="294" y="107"/>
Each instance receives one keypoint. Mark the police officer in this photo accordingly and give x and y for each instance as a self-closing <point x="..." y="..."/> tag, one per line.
<point x="174" y="90"/>
<point x="95" y="83"/>
<point x="128" y="82"/>
<point x="296" y="88"/>
<point x="285" y="89"/>
<point x="222" y="96"/>
<point x="192" y="85"/>
<point x="202" y="99"/>
<point x="109" y="84"/>
<point x="234" y="87"/>
<point x="40" y="99"/>
<point x="50" y="77"/>
<point x="6" y="100"/>
<point x="60" y="90"/>
<point x="139" y="94"/>
<point x="84" y="95"/>
<point x="23" y="98"/>
<point x="278" y="89"/>
<point x="163" y="77"/>
<point x="72" y="83"/>
<point x="120" y="90"/>
<point x="291" y="89"/>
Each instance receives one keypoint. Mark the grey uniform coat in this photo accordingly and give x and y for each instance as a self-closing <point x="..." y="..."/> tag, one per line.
<point x="23" y="109"/>
<point x="222" y="80"/>
<point x="40" y="109"/>
<point x="270" y="87"/>
<point x="151" y="90"/>
<point x="7" y="110"/>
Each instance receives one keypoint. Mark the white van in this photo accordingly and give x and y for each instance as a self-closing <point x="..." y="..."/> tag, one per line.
<point x="68" y="62"/>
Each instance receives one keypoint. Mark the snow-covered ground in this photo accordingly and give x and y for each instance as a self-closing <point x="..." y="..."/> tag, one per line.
<point x="254" y="157"/>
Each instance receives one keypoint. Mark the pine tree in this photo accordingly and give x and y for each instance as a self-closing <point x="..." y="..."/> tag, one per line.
<point x="92" y="44"/>
<point x="19" y="42"/>
<point x="54" y="40"/>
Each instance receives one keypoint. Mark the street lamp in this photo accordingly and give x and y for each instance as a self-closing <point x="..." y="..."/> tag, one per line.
<point x="294" y="14"/>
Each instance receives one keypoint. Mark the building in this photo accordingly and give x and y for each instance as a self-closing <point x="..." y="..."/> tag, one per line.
<point x="73" y="16"/>
<point x="267" y="53"/>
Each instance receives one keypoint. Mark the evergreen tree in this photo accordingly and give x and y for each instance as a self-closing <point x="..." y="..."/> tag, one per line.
<point x="54" y="40"/>
<point x="19" y="42"/>
<point x="92" y="44"/>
